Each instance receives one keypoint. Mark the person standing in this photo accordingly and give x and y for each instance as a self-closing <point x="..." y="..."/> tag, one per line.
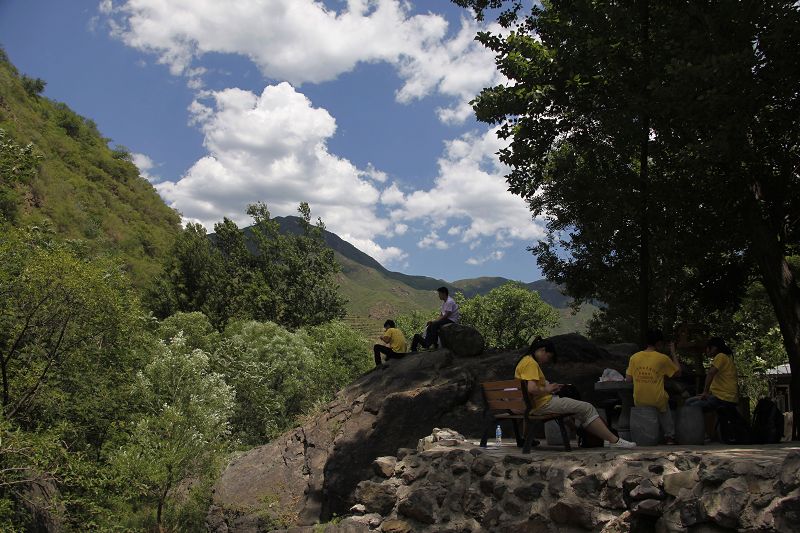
<point x="395" y="346"/>
<point x="448" y="314"/>
<point x="647" y="369"/>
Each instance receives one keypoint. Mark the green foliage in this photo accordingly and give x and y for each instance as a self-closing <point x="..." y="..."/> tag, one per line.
<point x="18" y="166"/>
<point x="508" y="316"/>
<point x="33" y="86"/>
<point x="655" y="157"/>
<point x="279" y="375"/>
<point x="198" y="333"/>
<point x="184" y="428"/>
<point x="285" y="278"/>
<point x="414" y="322"/>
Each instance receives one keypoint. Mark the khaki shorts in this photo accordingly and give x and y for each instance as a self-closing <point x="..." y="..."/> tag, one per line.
<point x="584" y="412"/>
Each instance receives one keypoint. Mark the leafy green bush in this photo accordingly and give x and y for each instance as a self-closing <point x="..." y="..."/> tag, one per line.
<point x="509" y="315"/>
<point x="280" y="375"/>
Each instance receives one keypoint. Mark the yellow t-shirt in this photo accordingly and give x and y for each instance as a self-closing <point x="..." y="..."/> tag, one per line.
<point x="724" y="384"/>
<point x="397" y="341"/>
<point x="648" y="370"/>
<point x="528" y="369"/>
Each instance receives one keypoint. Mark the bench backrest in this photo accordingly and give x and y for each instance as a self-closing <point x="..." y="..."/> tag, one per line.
<point x="508" y="394"/>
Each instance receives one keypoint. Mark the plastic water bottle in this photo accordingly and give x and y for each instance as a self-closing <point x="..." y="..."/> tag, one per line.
<point x="498" y="436"/>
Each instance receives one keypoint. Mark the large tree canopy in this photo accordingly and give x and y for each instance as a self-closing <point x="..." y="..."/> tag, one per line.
<point x="660" y="141"/>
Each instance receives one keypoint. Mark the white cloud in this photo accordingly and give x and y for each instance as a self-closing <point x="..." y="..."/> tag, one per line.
<point x="497" y="255"/>
<point x="145" y="165"/>
<point x="375" y="174"/>
<point x="392" y="195"/>
<point x="471" y="185"/>
<point x="304" y="41"/>
<point x="272" y="148"/>
<point x="432" y="240"/>
<point x="400" y="229"/>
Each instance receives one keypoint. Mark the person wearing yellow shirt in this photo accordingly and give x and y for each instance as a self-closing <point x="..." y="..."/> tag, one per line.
<point x="721" y="388"/>
<point x="544" y="397"/>
<point x="395" y="346"/>
<point x="647" y="369"/>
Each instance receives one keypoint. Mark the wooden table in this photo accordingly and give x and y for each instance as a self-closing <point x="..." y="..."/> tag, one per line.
<point x="624" y="389"/>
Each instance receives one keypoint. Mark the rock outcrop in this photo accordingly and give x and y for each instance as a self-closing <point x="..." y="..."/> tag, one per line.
<point x="463" y="341"/>
<point x="311" y="473"/>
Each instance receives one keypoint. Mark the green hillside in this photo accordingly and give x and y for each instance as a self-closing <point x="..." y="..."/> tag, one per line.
<point x="373" y="297"/>
<point x="85" y="189"/>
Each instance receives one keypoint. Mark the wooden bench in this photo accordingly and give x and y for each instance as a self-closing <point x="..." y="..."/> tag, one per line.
<point x="509" y="400"/>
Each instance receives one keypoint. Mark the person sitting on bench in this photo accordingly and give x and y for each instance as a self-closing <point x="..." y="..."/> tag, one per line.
<point x="545" y="403"/>
<point x="395" y="346"/>
<point x="448" y="315"/>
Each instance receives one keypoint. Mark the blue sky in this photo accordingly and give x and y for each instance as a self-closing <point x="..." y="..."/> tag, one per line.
<point x="358" y="107"/>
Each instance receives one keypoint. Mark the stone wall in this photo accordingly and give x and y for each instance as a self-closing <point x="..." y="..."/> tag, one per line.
<point x="449" y="486"/>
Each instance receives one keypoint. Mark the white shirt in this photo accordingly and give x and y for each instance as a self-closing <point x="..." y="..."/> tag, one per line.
<point x="452" y="306"/>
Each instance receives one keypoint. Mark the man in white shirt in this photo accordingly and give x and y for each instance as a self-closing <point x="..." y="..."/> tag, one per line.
<point x="447" y="315"/>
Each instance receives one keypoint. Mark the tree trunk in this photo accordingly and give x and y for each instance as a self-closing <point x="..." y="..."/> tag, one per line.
<point x="784" y="294"/>
<point x="644" y="167"/>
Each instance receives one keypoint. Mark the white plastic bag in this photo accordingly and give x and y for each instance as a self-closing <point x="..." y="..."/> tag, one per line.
<point x="609" y="374"/>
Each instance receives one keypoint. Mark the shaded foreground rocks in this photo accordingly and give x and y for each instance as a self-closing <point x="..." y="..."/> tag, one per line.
<point x="311" y="473"/>
<point x="466" y="489"/>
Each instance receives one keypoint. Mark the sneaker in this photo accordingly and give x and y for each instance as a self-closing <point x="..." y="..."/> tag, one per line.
<point x="670" y="441"/>
<point x="621" y="443"/>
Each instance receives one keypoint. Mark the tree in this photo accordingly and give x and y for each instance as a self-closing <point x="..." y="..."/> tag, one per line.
<point x="58" y="313"/>
<point x="508" y="316"/>
<point x="718" y="98"/>
<point x="258" y="274"/>
<point x="184" y="426"/>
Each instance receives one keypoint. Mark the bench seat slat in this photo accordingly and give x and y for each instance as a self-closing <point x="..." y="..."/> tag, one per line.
<point x="500" y="385"/>
<point x="503" y="394"/>
<point x="498" y="405"/>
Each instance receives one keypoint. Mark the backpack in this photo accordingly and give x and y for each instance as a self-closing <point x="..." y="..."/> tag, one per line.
<point x="767" y="422"/>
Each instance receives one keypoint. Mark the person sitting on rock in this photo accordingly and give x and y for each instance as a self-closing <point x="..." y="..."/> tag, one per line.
<point x="647" y="370"/>
<point x="545" y="403"/>
<point x="395" y="346"/>
<point x="447" y="315"/>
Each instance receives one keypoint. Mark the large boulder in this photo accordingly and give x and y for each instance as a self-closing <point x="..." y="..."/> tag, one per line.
<point x="464" y="341"/>
<point x="312" y="472"/>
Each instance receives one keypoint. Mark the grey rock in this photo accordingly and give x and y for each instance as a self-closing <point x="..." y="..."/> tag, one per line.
<point x="384" y="466"/>
<point x="419" y="505"/>
<point x="685" y="480"/>
<point x="462" y="340"/>
<point x="530" y="492"/>
<point x="572" y="512"/>
<point x="726" y="505"/>
<point x="587" y="486"/>
<point x="646" y="490"/>
<point x="377" y="497"/>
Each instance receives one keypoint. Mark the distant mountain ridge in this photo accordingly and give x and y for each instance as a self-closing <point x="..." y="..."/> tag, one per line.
<point x="550" y="292"/>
